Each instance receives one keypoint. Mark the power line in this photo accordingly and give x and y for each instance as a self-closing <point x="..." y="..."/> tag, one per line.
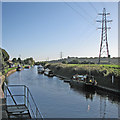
<point x="74" y="9"/>
<point x="90" y="3"/>
<point x="83" y="10"/>
<point x="82" y="16"/>
<point x="78" y="13"/>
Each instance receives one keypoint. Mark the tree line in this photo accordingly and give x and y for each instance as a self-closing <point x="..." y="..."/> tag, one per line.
<point x="4" y="60"/>
<point x="28" y="61"/>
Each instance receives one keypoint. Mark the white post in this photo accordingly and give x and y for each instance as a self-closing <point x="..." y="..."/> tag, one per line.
<point x="112" y="78"/>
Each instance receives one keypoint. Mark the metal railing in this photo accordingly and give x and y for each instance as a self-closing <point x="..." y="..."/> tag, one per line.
<point x="14" y="97"/>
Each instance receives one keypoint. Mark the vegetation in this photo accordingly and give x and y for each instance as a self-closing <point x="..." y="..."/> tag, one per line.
<point x="86" y="60"/>
<point x="29" y="61"/>
<point x="41" y="63"/>
<point x="5" y="55"/>
<point x="74" y="62"/>
<point x="14" y="60"/>
<point x="102" y="73"/>
<point x="6" y="65"/>
<point x="9" y="69"/>
<point x="104" y="69"/>
<point x="19" y="60"/>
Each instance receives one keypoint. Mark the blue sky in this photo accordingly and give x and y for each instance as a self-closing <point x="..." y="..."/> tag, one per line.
<point x="43" y="29"/>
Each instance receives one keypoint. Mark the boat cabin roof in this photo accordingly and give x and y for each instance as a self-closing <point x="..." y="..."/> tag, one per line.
<point x="82" y="76"/>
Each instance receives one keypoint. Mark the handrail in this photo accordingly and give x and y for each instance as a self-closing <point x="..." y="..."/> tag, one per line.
<point x="11" y="96"/>
<point x="28" y="99"/>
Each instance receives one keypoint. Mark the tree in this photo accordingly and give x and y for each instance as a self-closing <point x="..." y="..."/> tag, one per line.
<point x="29" y="61"/>
<point x="64" y="62"/>
<point x="14" y="60"/>
<point x="74" y="62"/>
<point x="68" y="57"/>
<point x="5" y="55"/>
<point x="19" y="60"/>
<point x="37" y="63"/>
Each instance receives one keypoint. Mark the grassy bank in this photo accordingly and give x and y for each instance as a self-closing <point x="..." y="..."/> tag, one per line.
<point x="9" y="69"/>
<point x="102" y="73"/>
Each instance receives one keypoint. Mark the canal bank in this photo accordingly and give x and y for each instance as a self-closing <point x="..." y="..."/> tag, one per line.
<point x="106" y="81"/>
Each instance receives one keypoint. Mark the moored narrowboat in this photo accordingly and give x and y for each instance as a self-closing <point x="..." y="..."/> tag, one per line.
<point x="84" y="80"/>
<point x="18" y="68"/>
<point x="27" y="66"/>
<point x="40" y="69"/>
<point x="48" y="72"/>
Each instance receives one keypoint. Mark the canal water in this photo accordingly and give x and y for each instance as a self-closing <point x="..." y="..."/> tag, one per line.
<point x="57" y="99"/>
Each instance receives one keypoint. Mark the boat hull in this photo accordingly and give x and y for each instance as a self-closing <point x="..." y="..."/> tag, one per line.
<point x="27" y="67"/>
<point x="82" y="84"/>
<point x="48" y="72"/>
<point x="40" y="72"/>
<point x="18" y="69"/>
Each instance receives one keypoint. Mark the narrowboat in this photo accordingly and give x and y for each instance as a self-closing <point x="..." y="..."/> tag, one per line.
<point x="40" y="69"/>
<point x="18" y="68"/>
<point x="84" y="80"/>
<point x="27" y="66"/>
<point x="48" y="72"/>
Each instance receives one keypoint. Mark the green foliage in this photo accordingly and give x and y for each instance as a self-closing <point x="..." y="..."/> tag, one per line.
<point x="37" y="63"/>
<point x="64" y="62"/>
<point x="96" y="69"/>
<point x="19" y="60"/>
<point x="74" y="62"/>
<point x="87" y="62"/>
<point x="43" y="63"/>
<point x="5" y="55"/>
<point x="9" y="69"/>
<point x="14" y="60"/>
<point x="29" y="61"/>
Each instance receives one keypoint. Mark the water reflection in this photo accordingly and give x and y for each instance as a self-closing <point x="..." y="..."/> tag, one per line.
<point x="90" y="93"/>
<point x="104" y="97"/>
<point x="86" y="91"/>
<point x="110" y="96"/>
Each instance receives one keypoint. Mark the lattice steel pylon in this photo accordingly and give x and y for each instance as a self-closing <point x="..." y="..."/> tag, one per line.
<point x="104" y="43"/>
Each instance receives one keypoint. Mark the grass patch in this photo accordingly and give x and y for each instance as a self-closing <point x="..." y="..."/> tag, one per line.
<point x="9" y="69"/>
<point x="103" y="69"/>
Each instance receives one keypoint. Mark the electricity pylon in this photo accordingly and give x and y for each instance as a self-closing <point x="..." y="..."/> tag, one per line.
<point x="104" y="43"/>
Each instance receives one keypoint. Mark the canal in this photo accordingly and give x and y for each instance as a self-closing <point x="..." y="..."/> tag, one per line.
<point x="57" y="99"/>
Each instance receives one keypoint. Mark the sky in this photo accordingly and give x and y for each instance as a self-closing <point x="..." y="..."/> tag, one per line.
<point x="44" y="29"/>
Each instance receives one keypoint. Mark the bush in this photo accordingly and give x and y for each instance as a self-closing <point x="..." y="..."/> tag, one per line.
<point x="74" y="62"/>
<point x="64" y="62"/>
